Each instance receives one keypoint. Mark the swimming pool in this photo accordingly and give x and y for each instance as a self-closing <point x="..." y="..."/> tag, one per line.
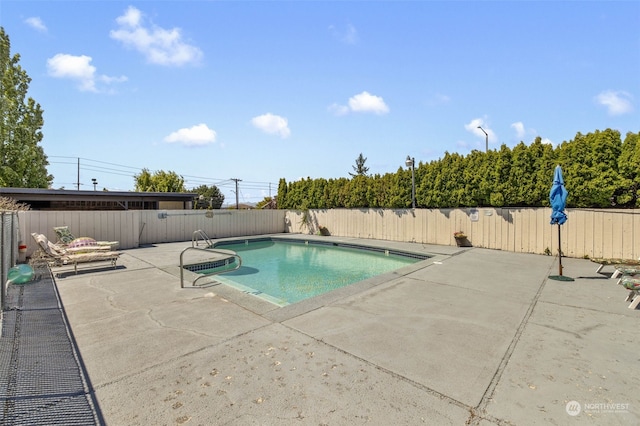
<point x="285" y="272"/>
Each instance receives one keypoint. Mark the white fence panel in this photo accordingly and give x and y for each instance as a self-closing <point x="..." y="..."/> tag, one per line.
<point x="587" y="233"/>
<point x="119" y="226"/>
<point x="179" y="225"/>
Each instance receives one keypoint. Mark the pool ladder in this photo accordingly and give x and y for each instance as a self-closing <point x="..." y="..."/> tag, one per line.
<point x="198" y="236"/>
<point x="227" y="255"/>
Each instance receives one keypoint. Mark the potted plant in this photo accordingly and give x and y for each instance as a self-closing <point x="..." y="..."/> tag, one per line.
<point x="323" y="230"/>
<point x="461" y="239"/>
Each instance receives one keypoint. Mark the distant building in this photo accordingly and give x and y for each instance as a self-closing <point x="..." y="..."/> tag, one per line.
<point x="63" y="199"/>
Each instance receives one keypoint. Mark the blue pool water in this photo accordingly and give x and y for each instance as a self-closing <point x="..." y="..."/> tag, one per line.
<point x="288" y="272"/>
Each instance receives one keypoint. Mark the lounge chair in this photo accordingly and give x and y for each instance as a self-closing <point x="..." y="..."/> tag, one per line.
<point x="619" y="265"/>
<point x="625" y="271"/>
<point x="66" y="238"/>
<point x="73" y="256"/>
<point x="633" y="285"/>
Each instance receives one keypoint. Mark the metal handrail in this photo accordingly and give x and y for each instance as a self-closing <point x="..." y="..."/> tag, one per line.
<point x="203" y="235"/>
<point x="227" y="253"/>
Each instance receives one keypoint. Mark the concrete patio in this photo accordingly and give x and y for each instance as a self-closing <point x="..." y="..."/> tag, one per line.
<point x="470" y="336"/>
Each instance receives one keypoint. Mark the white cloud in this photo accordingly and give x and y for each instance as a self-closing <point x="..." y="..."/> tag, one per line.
<point x="518" y="126"/>
<point x="474" y="127"/>
<point x="366" y="102"/>
<point x="349" y="35"/>
<point x="362" y="102"/>
<point x="76" y="68"/>
<point x="36" y="23"/>
<point x="79" y="69"/>
<point x="616" y="102"/>
<point x="158" y="45"/>
<point x="272" y="124"/>
<point x="339" y="109"/>
<point x="548" y="141"/>
<point x="198" y="135"/>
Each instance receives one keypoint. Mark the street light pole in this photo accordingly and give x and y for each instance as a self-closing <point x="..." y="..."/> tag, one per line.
<point x="411" y="162"/>
<point x="486" y="139"/>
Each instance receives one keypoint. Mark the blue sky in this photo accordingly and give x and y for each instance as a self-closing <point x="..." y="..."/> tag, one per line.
<point x="263" y="90"/>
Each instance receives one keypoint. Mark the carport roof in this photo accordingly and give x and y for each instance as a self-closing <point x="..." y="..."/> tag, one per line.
<point x="36" y="194"/>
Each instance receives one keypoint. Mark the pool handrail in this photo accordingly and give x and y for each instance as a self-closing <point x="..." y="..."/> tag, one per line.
<point x="227" y="253"/>
<point x="200" y="235"/>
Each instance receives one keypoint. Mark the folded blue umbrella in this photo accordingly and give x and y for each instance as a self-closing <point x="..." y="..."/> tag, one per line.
<point x="558" y="198"/>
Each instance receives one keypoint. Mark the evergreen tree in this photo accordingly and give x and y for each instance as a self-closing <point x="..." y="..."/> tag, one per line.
<point x="283" y="201"/>
<point x="599" y="171"/>
<point x="360" y="169"/>
<point x="628" y="192"/>
<point x="590" y="166"/>
<point x="23" y="163"/>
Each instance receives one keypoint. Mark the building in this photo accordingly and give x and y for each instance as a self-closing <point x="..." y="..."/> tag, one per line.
<point x="63" y="199"/>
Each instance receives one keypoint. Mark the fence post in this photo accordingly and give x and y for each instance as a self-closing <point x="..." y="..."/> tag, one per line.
<point x="3" y="269"/>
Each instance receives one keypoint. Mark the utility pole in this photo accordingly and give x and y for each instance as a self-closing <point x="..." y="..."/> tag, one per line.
<point x="78" y="174"/>
<point x="237" y="202"/>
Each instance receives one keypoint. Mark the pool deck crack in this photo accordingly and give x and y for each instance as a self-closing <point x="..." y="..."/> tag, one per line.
<point x="479" y="411"/>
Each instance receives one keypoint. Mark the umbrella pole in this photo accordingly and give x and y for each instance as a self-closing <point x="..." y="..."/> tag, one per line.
<point x="559" y="253"/>
<point x="560" y="277"/>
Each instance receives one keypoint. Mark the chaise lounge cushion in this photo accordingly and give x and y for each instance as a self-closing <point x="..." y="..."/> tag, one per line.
<point x="65" y="237"/>
<point x="63" y="257"/>
<point x="83" y="242"/>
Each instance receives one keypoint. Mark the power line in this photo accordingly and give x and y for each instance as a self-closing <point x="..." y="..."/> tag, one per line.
<point x="80" y="163"/>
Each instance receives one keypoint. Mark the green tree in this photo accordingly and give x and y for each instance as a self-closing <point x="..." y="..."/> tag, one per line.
<point x="283" y="200"/>
<point x="400" y="185"/>
<point x="475" y="176"/>
<point x="501" y="191"/>
<point x="590" y="167"/>
<point x="628" y="193"/>
<point x="159" y="181"/>
<point x="360" y="169"/>
<point x="599" y="171"/>
<point x="23" y="163"/>
<point x="209" y="197"/>
<point x="267" y="203"/>
<point x="357" y="195"/>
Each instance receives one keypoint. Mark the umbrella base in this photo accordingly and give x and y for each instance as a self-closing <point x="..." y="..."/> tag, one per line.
<point x="560" y="278"/>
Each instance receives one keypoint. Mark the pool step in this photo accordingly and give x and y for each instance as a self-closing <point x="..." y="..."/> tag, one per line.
<point x="222" y="261"/>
